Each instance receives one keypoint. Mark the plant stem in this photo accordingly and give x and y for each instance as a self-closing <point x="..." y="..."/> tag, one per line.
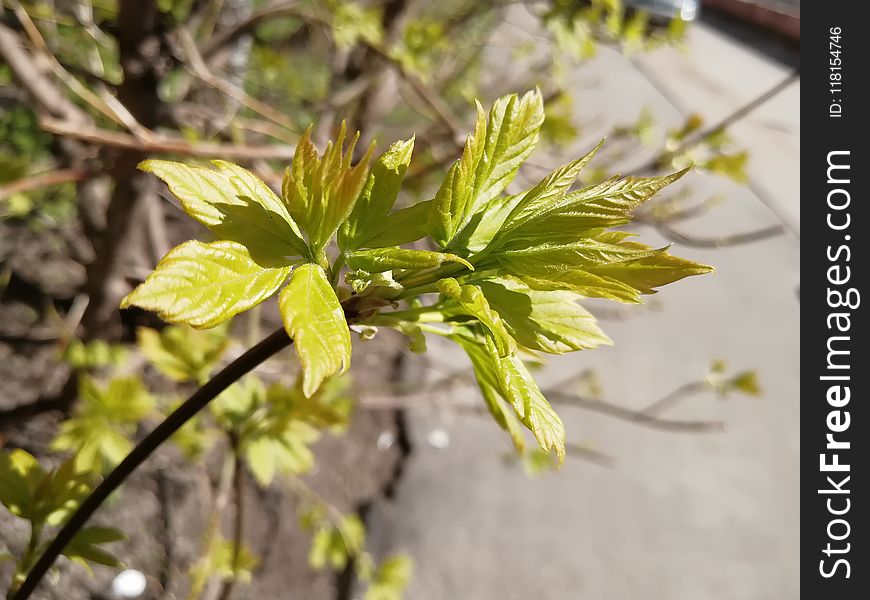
<point x="230" y="374"/>
<point x="238" y="524"/>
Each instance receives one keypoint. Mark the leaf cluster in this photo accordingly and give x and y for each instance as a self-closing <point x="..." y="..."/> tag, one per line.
<point x="500" y="273"/>
<point x="47" y="497"/>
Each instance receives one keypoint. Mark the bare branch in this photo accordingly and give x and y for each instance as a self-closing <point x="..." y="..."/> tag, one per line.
<point x="163" y="143"/>
<point x="34" y="182"/>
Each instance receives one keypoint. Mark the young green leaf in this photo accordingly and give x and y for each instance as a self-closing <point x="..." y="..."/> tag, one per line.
<point x="403" y="226"/>
<point x="490" y="388"/>
<point x="532" y="409"/>
<point x="378" y="260"/>
<point x="204" y="285"/>
<point x="93" y="355"/>
<point x="649" y="272"/>
<point x="105" y="418"/>
<point x="182" y="353"/>
<point x="320" y="191"/>
<point x="546" y="277"/>
<point x="334" y="544"/>
<point x="315" y="321"/>
<point x="390" y="579"/>
<point x="84" y="547"/>
<point x="279" y="446"/>
<point x="377" y="198"/>
<point x="472" y="301"/>
<point x="491" y="158"/>
<point x="20" y="476"/>
<point x="235" y="205"/>
<point x="550" y="322"/>
<point x="546" y="193"/>
<point x="567" y="217"/>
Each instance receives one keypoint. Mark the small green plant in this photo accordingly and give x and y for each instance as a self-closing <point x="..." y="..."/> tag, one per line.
<point x="502" y="278"/>
<point x="45" y="498"/>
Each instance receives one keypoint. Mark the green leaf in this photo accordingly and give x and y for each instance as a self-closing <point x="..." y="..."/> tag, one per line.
<point x="235" y="205"/>
<point x="84" y="547"/>
<point x="603" y="267"/>
<point x="472" y="302"/>
<point x="329" y="407"/>
<point x="93" y="355"/>
<point x="320" y="191"/>
<point x="366" y="220"/>
<point x="204" y="285"/>
<point x="236" y="405"/>
<point x="649" y="272"/>
<point x="487" y="380"/>
<point x="532" y="409"/>
<point x="555" y="216"/>
<point x="745" y="382"/>
<point x="545" y="321"/>
<point x="282" y="447"/>
<point x="378" y="260"/>
<point x="182" y="353"/>
<point x="315" y="321"/>
<point x="223" y="562"/>
<point x="546" y="193"/>
<point x="20" y="476"/>
<point x="486" y="224"/>
<point x="390" y="579"/>
<point x="507" y="377"/>
<point x="353" y="22"/>
<point x="104" y="420"/>
<point x="489" y="162"/>
<point x="729" y="165"/>
<point x="403" y="226"/>
<point x="334" y="544"/>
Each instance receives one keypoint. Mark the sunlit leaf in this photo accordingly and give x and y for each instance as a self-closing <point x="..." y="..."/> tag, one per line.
<point x="182" y="353"/>
<point x="315" y="321"/>
<point x="377" y="198"/>
<point x="489" y="162"/>
<point x="320" y="191"/>
<point x="545" y="321"/>
<point x="204" y="285"/>
<point x="378" y="260"/>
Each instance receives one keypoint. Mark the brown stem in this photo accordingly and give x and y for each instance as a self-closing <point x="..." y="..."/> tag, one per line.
<point x="199" y="400"/>
<point x="238" y="524"/>
<point x="34" y="182"/>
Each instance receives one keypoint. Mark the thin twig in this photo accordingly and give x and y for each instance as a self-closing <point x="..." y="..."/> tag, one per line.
<point x="226" y="38"/>
<point x="238" y="525"/>
<point x="34" y="182"/>
<point x="719" y="127"/>
<point x="163" y="143"/>
<point x="113" y="109"/>
<point x="199" y="400"/>
<point x="197" y="67"/>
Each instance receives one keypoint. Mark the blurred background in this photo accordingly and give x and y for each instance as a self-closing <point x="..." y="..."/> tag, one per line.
<point x="682" y="475"/>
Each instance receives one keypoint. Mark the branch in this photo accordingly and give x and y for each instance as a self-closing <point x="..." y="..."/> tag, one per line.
<point x="163" y="143"/>
<point x="719" y="127"/>
<point x="197" y="67"/>
<point x="108" y="105"/>
<point x="733" y="239"/>
<point x="199" y="400"/>
<point x="238" y="524"/>
<point x="39" y="87"/>
<point x="634" y="416"/>
<point x="217" y="43"/>
<point x="33" y="182"/>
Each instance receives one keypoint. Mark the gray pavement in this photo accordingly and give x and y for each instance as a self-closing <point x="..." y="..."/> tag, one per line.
<point x="681" y="516"/>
